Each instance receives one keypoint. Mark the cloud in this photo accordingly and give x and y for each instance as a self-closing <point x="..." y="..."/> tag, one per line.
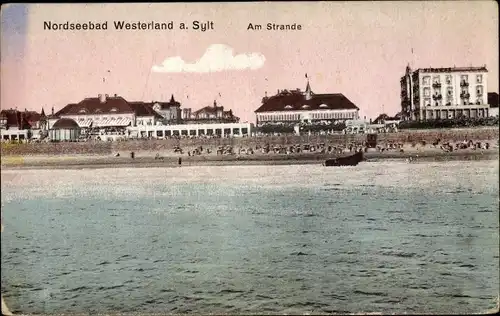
<point x="217" y="57"/>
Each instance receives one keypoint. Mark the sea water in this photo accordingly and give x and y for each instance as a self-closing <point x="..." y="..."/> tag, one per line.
<point x="387" y="237"/>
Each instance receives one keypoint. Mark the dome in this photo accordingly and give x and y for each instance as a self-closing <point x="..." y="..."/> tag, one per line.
<point x="65" y="123"/>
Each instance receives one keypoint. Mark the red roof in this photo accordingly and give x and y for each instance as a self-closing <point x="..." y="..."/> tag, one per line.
<point x="296" y="101"/>
<point x="32" y="116"/>
<point x="112" y="105"/>
<point x="116" y="105"/>
<point x="15" y="119"/>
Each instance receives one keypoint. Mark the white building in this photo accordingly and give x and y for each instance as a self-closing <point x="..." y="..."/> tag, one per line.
<point x="305" y="107"/>
<point x="107" y="112"/>
<point x="444" y="93"/>
<point x="14" y="125"/>
<point x="220" y="129"/>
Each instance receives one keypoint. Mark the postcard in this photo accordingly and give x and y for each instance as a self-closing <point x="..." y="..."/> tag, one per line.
<point x="250" y="158"/>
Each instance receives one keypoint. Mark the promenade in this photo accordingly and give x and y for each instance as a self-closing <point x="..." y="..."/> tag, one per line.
<point x="409" y="138"/>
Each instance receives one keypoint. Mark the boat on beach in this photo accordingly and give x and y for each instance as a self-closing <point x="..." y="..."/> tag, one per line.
<point x="351" y="160"/>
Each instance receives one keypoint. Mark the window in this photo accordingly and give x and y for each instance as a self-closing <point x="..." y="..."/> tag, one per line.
<point x="479" y="78"/>
<point x="288" y="107"/>
<point x="113" y="110"/>
<point x="464" y="78"/>
<point x="435" y="79"/>
<point x="449" y="91"/>
<point x="427" y="101"/>
<point x="479" y="90"/>
<point x="448" y="79"/>
<point x="426" y="80"/>
<point x="83" y="110"/>
<point x="427" y="92"/>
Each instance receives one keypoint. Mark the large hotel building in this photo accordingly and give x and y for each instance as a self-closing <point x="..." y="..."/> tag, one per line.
<point x="295" y="106"/>
<point x="444" y="93"/>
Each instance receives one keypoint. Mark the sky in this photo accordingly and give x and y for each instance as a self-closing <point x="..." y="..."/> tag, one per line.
<point x="359" y="49"/>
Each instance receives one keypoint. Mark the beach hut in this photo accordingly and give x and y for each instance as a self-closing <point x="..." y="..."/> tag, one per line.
<point x="64" y="129"/>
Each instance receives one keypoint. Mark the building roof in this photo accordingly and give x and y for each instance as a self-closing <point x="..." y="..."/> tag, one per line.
<point x="144" y="109"/>
<point x="15" y="118"/>
<point x="111" y="105"/>
<point x="454" y="69"/>
<point x="167" y="105"/>
<point x="493" y="99"/>
<point x="32" y="116"/>
<point x="65" y="123"/>
<point x="296" y="101"/>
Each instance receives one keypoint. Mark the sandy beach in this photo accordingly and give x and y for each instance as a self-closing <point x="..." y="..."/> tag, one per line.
<point x="147" y="159"/>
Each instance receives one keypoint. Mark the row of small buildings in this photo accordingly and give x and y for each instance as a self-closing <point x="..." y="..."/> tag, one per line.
<point x="426" y="94"/>
<point x="111" y="117"/>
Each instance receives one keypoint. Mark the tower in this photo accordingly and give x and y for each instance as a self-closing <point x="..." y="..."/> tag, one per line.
<point x="308" y="91"/>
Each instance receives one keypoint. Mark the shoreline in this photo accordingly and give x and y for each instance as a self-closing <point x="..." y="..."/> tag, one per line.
<point x="171" y="161"/>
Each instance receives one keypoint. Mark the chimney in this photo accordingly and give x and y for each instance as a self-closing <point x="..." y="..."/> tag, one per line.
<point x="52" y="110"/>
<point x="116" y="95"/>
<point x="102" y="98"/>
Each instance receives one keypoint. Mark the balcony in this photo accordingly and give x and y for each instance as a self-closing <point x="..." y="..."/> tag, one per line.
<point x="437" y="97"/>
<point x="464" y="83"/>
<point x="436" y="85"/>
<point x="448" y="103"/>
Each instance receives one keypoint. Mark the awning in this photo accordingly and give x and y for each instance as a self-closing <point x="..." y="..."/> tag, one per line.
<point x="84" y="123"/>
<point x="113" y="123"/>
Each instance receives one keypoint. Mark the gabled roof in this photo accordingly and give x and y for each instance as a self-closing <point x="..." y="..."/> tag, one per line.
<point x="295" y="101"/>
<point x="144" y="109"/>
<point x="32" y="116"/>
<point x="112" y="105"/>
<point x="15" y="118"/>
<point x="169" y="104"/>
<point x="208" y="109"/>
